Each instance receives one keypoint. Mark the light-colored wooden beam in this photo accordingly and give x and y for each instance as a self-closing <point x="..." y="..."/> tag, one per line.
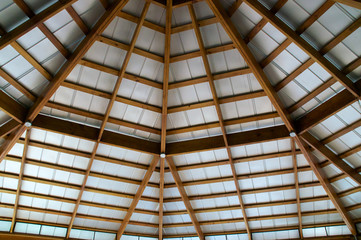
<point x="217" y="103"/>
<point x="295" y="172"/>
<point x="18" y="190"/>
<point x="312" y="160"/>
<point x="185" y="198"/>
<point x="83" y="27"/>
<point x="137" y="197"/>
<point x="351" y="3"/>
<point x="234" y="139"/>
<point x="12" y="107"/>
<point x="8" y="127"/>
<point x="163" y="137"/>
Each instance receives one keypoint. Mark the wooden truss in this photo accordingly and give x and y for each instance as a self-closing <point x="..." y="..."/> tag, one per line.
<point x="164" y="152"/>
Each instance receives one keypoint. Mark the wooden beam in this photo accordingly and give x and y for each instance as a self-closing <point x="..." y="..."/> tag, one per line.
<point x="90" y="133"/>
<point x="83" y="27"/>
<point x="163" y="137"/>
<point x="311" y="95"/>
<point x="341" y="132"/>
<point x="12" y="107"/>
<point x="161" y="197"/>
<point x="340" y="37"/>
<point x="17" y="85"/>
<point x="137" y="197"/>
<point x="31" y="60"/>
<point x="8" y="127"/>
<point x="333" y="105"/>
<point x="321" y="176"/>
<point x="235" y="139"/>
<point x="301" y="43"/>
<point x="315" y="16"/>
<point x="328" y="154"/>
<point x="351" y="3"/>
<point x="18" y="190"/>
<point x="34" y="22"/>
<point x="298" y="199"/>
<point x="184" y="197"/>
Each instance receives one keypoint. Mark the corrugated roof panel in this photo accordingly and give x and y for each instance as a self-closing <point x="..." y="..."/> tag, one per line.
<point x="287" y="234"/>
<point x="151" y="41"/>
<point x="156" y="14"/>
<point x="134" y="7"/>
<point x="106" y="199"/>
<point x="37" y="216"/>
<point x="143" y="229"/>
<point x="11" y="16"/>
<point x="180" y="231"/>
<point x="82" y="222"/>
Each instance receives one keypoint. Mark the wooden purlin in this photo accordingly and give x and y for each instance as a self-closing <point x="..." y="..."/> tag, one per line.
<point x="219" y="114"/>
<point x="263" y="80"/>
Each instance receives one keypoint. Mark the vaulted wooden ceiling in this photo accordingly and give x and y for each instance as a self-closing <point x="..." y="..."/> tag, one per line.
<point x="180" y="118"/>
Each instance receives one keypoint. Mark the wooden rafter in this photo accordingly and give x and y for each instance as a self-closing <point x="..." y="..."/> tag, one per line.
<point x="330" y="107"/>
<point x="12" y="107"/>
<point x="295" y="172"/>
<point x="351" y="3"/>
<point x="22" y="166"/>
<point x="219" y="114"/>
<point x="107" y="114"/>
<point x="185" y="198"/>
<point x="321" y="176"/>
<point x="234" y="139"/>
<point x="163" y="137"/>
<point x="83" y="27"/>
<point x="261" y="77"/>
<point x="328" y="154"/>
<point x="137" y="197"/>
<point x="91" y="133"/>
<point x="8" y="127"/>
